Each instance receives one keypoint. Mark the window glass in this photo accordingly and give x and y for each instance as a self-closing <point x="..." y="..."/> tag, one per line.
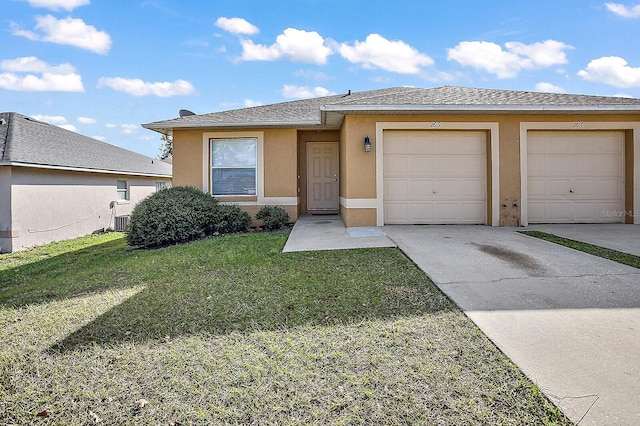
<point x="233" y="170"/>
<point x="122" y="187"/>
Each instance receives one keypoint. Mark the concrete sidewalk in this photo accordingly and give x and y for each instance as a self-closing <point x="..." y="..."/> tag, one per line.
<point x="569" y="320"/>
<point x="327" y="232"/>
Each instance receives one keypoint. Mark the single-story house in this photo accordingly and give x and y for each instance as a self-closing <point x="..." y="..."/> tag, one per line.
<point x="404" y="155"/>
<point x="56" y="184"/>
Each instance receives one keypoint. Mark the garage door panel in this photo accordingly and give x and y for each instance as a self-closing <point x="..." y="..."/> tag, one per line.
<point x="583" y="175"/>
<point x="536" y="165"/>
<point x="396" y="212"/>
<point x="445" y="170"/>
<point x="396" y="166"/>
<point x="473" y="189"/>
<point x="444" y="165"/>
<point x="420" y="212"/>
<point x="420" y="165"/>
<point x="420" y="189"/>
<point x="557" y="166"/>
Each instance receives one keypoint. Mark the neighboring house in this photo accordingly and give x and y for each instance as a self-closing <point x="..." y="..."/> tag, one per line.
<point x="445" y="155"/>
<point x="56" y="184"/>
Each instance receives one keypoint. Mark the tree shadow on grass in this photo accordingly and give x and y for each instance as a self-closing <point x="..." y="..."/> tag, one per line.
<point x="91" y="269"/>
<point x="258" y="288"/>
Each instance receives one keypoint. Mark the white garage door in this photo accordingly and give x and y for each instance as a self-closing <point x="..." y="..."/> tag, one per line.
<point x="575" y="177"/>
<point x="435" y="177"/>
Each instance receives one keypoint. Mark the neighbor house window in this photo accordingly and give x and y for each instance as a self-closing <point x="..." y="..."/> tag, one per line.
<point x="233" y="166"/>
<point x="161" y="184"/>
<point x="122" y="187"/>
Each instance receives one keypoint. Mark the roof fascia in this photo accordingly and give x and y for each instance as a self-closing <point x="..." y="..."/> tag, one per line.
<point x="216" y="124"/>
<point x="81" y="169"/>
<point x="479" y="108"/>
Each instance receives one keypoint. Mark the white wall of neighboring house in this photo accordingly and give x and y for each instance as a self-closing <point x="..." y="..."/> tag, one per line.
<point x="5" y="209"/>
<point x="53" y="205"/>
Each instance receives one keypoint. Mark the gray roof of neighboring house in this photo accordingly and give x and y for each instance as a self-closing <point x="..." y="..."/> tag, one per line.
<point x="29" y="142"/>
<point x="328" y="111"/>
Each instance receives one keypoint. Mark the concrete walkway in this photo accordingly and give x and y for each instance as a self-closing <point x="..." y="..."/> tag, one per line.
<point x="327" y="232"/>
<point x="569" y="320"/>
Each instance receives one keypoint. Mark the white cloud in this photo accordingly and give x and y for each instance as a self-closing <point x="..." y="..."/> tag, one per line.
<point x="549" y="88"/>
<point x="51" y="119"/>
<point x="137" y="87"/>
<point x="100" y="138"/>
<point x="128" y="129"/>
<point x="51" y="78"/>
<point x="56" y="120"/>
<point x="68" y="31"/>
<point x="86" y="120"/>
<point x="303" y="92"/>
<point x="58" y="4"/>
<point x="251" y="103"/>
<point x="110" y="125"/>
<point x="236" y="26"/>
<point x="69" y="127"/>
<point x="33" y="64"/>
<point x="491" y="57"/>
<point x="611" y="70"/>
<point x="624" y="11"/>
<point x="378" y="52"/>
<point x="293" y="44"/>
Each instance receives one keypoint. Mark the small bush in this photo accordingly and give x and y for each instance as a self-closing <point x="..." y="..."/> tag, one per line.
<point x="274" y="217"/>
<point x="231" y="219"/>
<point x="172" y="215"/>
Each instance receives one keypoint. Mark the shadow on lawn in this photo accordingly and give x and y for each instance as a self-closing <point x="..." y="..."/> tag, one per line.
<point x="276" y="291"/>
<point x="91" y="269"/>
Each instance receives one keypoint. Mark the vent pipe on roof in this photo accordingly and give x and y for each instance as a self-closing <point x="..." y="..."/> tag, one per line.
<point x="185" y="113"/>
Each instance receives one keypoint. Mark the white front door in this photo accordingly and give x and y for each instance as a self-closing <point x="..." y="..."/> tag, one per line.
<point x="322" y="176"/>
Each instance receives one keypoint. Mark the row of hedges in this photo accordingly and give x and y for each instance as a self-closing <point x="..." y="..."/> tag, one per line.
<point x="181" y="214"/>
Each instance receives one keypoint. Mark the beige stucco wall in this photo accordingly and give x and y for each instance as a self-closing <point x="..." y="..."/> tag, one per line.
<point x="279" y="167"/>
<point x="285" y="160"/>
<point x="358" y="167"/>
<point x="54" y="205"/>
<point x="187" y="158"/>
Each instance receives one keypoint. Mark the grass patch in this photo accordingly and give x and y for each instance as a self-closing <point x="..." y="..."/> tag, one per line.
<point x="616" y="256"/>
<point x="231" y="331"/>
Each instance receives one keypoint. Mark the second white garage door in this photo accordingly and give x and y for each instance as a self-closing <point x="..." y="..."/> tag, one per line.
<point x="575" y="177"/>
<point x="435" y="177"/>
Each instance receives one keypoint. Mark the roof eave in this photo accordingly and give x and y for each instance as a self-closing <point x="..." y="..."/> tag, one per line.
<point x="478" y="108"/>
<point x="82" y="169"/>
<point x="167" y="126"/>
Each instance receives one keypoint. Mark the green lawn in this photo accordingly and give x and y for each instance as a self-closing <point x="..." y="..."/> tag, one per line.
<point x="231" y="331"/>
<point x="616" y="256"/>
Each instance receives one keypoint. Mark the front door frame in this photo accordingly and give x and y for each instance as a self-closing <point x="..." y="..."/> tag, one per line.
<point x="336" y="179"/>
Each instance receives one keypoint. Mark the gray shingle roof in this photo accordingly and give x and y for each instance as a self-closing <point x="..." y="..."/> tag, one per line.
<point x="24" y="140"/>
<point x="313" y="112"/>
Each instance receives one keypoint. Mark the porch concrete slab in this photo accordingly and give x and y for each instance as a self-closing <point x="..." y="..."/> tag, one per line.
<point x="327" y="232"/>
<point x="569" y="320"/>
<point x="615" y="236"/>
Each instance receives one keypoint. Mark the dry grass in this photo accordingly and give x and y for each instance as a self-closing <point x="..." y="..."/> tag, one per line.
<point x="231" y="331"/>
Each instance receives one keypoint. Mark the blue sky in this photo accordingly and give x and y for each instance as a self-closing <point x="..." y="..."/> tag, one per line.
<point x="102" y="68"/>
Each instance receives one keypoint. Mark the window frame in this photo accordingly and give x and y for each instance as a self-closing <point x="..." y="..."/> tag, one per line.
<point x="257" y="167"/>
<point x="126" y="191"/>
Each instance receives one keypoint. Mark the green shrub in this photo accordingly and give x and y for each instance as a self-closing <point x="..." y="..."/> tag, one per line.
<point x="274" y="217"/>
<point x="231" y="219"/>
<point x="172" y="215"/>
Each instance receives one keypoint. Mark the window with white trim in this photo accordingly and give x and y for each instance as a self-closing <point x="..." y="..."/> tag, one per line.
<point x="233" y="166"/>
<point x="162" y="184"/>
<point x="122" y="188"/>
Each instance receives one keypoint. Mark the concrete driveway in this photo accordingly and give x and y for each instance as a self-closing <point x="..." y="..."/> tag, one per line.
<point x="569" y="320"/>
